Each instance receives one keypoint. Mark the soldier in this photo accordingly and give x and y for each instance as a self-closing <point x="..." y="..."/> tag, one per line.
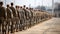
<point x="13" y="10"/>
<point x="17" y="10"/>
<point x="20" y="15"/>
<point x="24" y="6"/>
<point x="17" y="19"/>
<point x="13" y="18"/>
<point x="30" y="16"/>
<point x="2" y="17"/>
<point x="2" y="12"/>
<point x="9" y="11"/>
<point x="27" y="15"/>
<point x="22" y="18"/>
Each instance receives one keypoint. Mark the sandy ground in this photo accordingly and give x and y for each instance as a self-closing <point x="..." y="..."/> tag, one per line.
<point x="51" y="26"/>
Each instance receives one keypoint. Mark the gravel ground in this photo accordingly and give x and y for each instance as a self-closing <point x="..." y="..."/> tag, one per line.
<point x="51" y="26"/>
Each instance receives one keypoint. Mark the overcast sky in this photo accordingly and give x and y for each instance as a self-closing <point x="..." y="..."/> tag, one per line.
<point x="33" y="3"/>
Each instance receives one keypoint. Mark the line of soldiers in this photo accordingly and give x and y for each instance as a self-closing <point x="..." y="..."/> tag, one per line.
<point x="19" y="18"/>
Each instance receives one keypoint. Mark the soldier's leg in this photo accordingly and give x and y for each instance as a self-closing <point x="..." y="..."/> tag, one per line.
<point x="7" y="29"/>
<point x="12" y="28"/>
<point x="18" y="24"/>
<point x="16" y="27"/>
<point x="30" y="22"/>
<point x="9" y="26"/>
<point x="20" y="28"/>
<point x="0" y="28"/>
<point x="23" y="24"/>
<point x="4" y="27"/>
<point x="25" y="27"/>
<point x="27" y="23"/>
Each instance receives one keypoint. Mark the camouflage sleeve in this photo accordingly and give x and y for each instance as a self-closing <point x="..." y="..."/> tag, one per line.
<point x="5" y="13"/>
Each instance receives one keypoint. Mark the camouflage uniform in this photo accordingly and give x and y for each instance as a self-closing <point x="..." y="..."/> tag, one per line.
<point x="2" y="17"/>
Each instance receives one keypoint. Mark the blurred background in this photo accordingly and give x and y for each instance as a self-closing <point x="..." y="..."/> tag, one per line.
<point x="51" y="6"/>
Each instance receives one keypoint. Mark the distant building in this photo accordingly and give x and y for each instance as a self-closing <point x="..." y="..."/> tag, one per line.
<point x="41" y="7"/>
<point x="57" y="9"/>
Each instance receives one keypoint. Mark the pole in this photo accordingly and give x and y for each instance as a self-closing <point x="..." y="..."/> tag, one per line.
<point x="52" y="7"/>
<point x="14" y="2"/>
<point x="5" y="3"/>
<point x="42" y="2"/>
<point x="35" y="2"/>
<point x="29" y="5"/>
